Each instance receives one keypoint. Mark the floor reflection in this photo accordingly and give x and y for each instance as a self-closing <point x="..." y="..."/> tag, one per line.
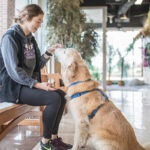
<point x="135" y="105"/>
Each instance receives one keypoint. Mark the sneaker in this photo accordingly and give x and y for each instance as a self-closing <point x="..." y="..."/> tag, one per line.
<point x="59" y="142"/>
<point x="47" y="146"/>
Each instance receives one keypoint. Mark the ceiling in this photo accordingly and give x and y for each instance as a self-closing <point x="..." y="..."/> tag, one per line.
<point x="122" y="13"/>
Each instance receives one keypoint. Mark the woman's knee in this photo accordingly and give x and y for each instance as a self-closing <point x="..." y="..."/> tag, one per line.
<point x="62" y="95"/>
<point x="54" y="99"/>
<point x="61" y="92"/>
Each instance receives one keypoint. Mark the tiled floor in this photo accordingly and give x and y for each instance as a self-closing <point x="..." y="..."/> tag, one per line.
<point x="135" y="105"/>
<point x="21" y="138"/>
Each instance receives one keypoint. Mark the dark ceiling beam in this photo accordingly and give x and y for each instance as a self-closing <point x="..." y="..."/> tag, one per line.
<point x="91" y="3"/>
<point x="134" y="22"/>
<point x="113" y="2"/>
<point x="116" y="8"/>
<point x="146" y="2"/>
<point x="139" y="10"/>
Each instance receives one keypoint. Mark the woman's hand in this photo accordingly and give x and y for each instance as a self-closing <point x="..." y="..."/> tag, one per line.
<point x="45" y="86"/>
<point x="52" y="49"/>
<point x="51" y="85"/>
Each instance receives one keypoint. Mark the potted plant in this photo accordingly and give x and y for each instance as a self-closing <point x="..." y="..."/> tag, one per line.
<point x="122" y="65"/>
<point x="111" y="54"/>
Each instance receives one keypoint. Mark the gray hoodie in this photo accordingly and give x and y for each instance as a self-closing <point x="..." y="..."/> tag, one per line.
<point x="9" y="48"/>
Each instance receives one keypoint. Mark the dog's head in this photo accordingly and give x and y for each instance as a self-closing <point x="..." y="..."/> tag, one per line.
<point x="73" y="67"/>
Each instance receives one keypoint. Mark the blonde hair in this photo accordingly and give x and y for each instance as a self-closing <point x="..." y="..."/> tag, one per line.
<point x="27" y="13"/>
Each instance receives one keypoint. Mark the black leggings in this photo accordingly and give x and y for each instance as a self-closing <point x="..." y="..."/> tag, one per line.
<point x="54" y="102"/>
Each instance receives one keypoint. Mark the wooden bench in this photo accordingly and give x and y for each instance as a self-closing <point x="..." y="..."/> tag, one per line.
<point x="12" y="115"/>
<point x="17" y="113"/>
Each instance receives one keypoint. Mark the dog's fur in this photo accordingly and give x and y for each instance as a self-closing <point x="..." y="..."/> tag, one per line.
<point x="109" y="129"/>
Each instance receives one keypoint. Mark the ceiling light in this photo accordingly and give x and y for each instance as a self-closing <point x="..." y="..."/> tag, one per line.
<point x="111" y="18"/>
<point x="124" y="17"/>
<point x="138" y="2"/>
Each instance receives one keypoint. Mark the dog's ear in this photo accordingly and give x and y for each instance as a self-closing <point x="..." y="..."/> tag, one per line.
<point x="72" y="69"/>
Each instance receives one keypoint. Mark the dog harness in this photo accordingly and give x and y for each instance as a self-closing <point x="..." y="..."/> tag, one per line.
<point x="75" y="83"/>
<point x="85" y="92"/>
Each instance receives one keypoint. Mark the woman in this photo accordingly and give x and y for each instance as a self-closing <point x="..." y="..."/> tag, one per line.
<point x="20" y="64"/>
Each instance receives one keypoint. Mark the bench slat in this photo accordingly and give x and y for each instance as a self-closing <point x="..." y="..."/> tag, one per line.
<point x="13" y="112"/>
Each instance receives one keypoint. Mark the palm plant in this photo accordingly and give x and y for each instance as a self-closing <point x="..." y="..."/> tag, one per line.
<point x="67" y="25"/>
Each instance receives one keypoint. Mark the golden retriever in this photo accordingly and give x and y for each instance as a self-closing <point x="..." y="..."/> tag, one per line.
<point x="108" y="129"/>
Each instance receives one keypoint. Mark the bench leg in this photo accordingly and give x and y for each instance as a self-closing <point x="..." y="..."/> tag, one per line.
<point x="41" y="120"/>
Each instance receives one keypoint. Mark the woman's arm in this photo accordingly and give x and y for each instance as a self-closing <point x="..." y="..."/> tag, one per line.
<point x="44" y="58"/>
<point x="9" y="50"/>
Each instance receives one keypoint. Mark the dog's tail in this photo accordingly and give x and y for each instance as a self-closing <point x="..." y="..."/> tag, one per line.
<point x="147" y="146"/>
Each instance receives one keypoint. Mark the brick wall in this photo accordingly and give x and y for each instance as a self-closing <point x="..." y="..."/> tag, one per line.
<point x="7" y="11"/>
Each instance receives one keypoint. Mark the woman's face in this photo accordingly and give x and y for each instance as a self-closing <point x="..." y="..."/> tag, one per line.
<point x="35" y="23"/>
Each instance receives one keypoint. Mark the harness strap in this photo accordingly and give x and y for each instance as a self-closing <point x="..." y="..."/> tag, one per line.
<point x="106" y="97"/>
<point x="94" y="112"/>
<point x="82" y="93"/>
<point x="75" y="83"/>
<point x="85" y="92"/>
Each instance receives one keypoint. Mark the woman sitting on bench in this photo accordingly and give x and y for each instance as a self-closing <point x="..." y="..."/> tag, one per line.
<point x="20" y="64"/>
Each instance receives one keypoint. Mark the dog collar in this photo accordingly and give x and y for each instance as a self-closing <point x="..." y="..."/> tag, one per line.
<point x="75" y="83"/>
